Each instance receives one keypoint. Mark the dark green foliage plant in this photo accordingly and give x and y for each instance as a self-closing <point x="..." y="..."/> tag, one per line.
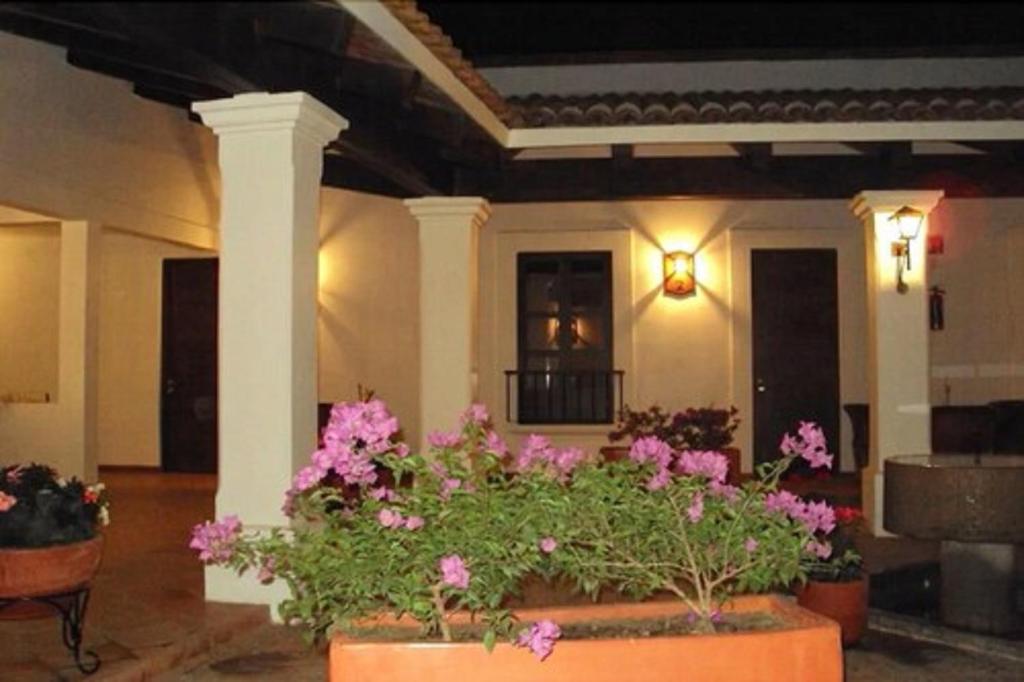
<point x="38" y="508"/>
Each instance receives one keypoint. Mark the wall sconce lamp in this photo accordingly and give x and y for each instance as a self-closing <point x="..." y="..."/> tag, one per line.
<point x="907" y="223"/>
<point x="679" y="279"/>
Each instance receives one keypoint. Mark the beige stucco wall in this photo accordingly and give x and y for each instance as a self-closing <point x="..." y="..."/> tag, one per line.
<point x="979" y="355"/>
<point x="369" y="303"/>
<point x="30" y="310"/>
<point x="80" y="145"/>
<point x="130" y="346"/>
<point x="676" y="353"/>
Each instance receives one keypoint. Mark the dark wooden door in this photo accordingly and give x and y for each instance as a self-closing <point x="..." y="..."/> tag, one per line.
<point x="795" y="338"/>
<point x="188" y="381"/>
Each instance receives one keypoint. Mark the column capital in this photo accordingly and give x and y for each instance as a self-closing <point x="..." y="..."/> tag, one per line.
<point x="476" y="210"/>
<point x="257" y="112"/>
<point x="878" y="201"/>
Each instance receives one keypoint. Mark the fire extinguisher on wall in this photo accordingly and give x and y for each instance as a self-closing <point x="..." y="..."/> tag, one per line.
<point x="936" y="308"/>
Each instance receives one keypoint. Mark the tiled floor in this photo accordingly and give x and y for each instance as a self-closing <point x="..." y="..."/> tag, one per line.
<point x="147" y="610"/>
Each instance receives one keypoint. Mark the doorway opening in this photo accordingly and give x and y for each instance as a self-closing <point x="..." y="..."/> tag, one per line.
<point x="188" y="374"/>
<point x="795" y="340"/>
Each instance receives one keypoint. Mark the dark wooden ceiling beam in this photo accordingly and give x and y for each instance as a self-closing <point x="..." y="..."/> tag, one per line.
<point x="835" y="177"/>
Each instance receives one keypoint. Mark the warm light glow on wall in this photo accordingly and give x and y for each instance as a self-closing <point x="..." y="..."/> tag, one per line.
<point x="678" y="271"/>
<point x="323" y="270"/>
<point x="900" y="248"/>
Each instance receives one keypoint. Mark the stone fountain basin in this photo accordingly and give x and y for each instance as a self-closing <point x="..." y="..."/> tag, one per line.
<point x="964" y="498"/>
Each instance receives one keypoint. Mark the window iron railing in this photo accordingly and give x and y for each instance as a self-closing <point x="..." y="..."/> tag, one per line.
<point x="563" y="397"/>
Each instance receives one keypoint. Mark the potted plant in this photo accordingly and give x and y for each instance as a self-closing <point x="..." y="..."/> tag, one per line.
<point x="49" y="533"/>
<point x="407" y="580"/>
<point x="836" y="586"/>
<point x="695" y="428"/>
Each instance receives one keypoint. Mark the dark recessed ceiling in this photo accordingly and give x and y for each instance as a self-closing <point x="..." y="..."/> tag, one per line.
<point x="496" y="33"/>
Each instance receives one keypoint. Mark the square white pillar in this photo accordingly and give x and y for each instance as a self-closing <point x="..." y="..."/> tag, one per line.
<point x="271" y="161"/>
<point x="898" y="359"/>
<point x="449" y="291"/>
<point x="78" y="350"/>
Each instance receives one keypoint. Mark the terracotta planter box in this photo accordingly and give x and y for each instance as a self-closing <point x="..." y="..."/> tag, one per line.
<point x="845" y="602"/>
<point x="31" y="572"/>
<point x="807" y="649"/>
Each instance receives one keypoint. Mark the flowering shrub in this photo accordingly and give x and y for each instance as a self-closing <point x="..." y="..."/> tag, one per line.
<point x="38" y="508"/>
<point x="469" y="521"/>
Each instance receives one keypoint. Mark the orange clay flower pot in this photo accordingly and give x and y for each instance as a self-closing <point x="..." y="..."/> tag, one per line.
<point x="844" y="602"/>
<point x="32" y="572"/>
<point x="805" y="649"/>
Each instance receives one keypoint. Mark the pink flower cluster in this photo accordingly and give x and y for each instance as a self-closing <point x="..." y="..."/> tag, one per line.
<point x="7" y="501"/>
<point x="537" y="450"/>
<point x="355" y="433"/>
<point x="454" y="571"/>
<point x="809" y="443"/>
<point x="476" y="414"/>
<point x="444" y="439"/>
<point x="390" y="518"/>
<point x="816" y="516"/>
<point x="540" y="638"/>
<point x="215" y="541"/>
<point x="653" y="449"/>
<point x="711" y="465"/>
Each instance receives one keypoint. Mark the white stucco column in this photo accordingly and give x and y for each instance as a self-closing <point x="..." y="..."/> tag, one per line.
<point x="898" y="367"/>
<point x="77" y="347"/>
<point x="271" y="161"/>
<point x="449" y="284"/>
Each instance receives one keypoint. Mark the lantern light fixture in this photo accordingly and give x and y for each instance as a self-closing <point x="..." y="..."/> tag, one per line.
<point x="679" y="278"/>
<point x="906" y="222"/>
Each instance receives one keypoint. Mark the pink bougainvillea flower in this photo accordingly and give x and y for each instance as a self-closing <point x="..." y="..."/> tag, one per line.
<point x="783" y="501"/>
<point x="444" y="439"/>
<point x="567" y="459"/>
<point x="266" y="572"/>
<point x="659" y="480"/>
<point x="454" y="572"/>
<point x="495" y="444"/>
<point x="651" y="449"/>
<point x="476" y="414"/>
<point x="402" y="450"/>
<point x="822" y="550"/>
<point x="414" y="523"/>
<point x="817" y="516"/>
<point x="448" y="486"/>
<point x="809" y="443"/>
<point x="729" y="492"/>
<point x="215" y="541"/>
<point x="540" y="638"/>
<point x="712" y="465"/>
<point x="548" y="545"/>
<point x="7" y="501"/>
<point x="696" y="509"/>
<point x="389" y="518"/>
<point x="750" y="545"/>
<point x="383" y="493"/>
<point x="533" y="450"/>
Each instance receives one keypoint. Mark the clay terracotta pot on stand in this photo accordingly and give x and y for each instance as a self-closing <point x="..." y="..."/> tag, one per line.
<point x="844" y="602"/>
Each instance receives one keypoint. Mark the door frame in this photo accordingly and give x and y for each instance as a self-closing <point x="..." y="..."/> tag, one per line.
<point x="848" y="242"/>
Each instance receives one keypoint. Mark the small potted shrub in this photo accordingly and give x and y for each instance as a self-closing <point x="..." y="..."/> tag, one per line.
<point x="836" y="585"/>
<point x="695" y="428"/>
<point x="408" y="580"/>
<point x="49" y="534"/>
